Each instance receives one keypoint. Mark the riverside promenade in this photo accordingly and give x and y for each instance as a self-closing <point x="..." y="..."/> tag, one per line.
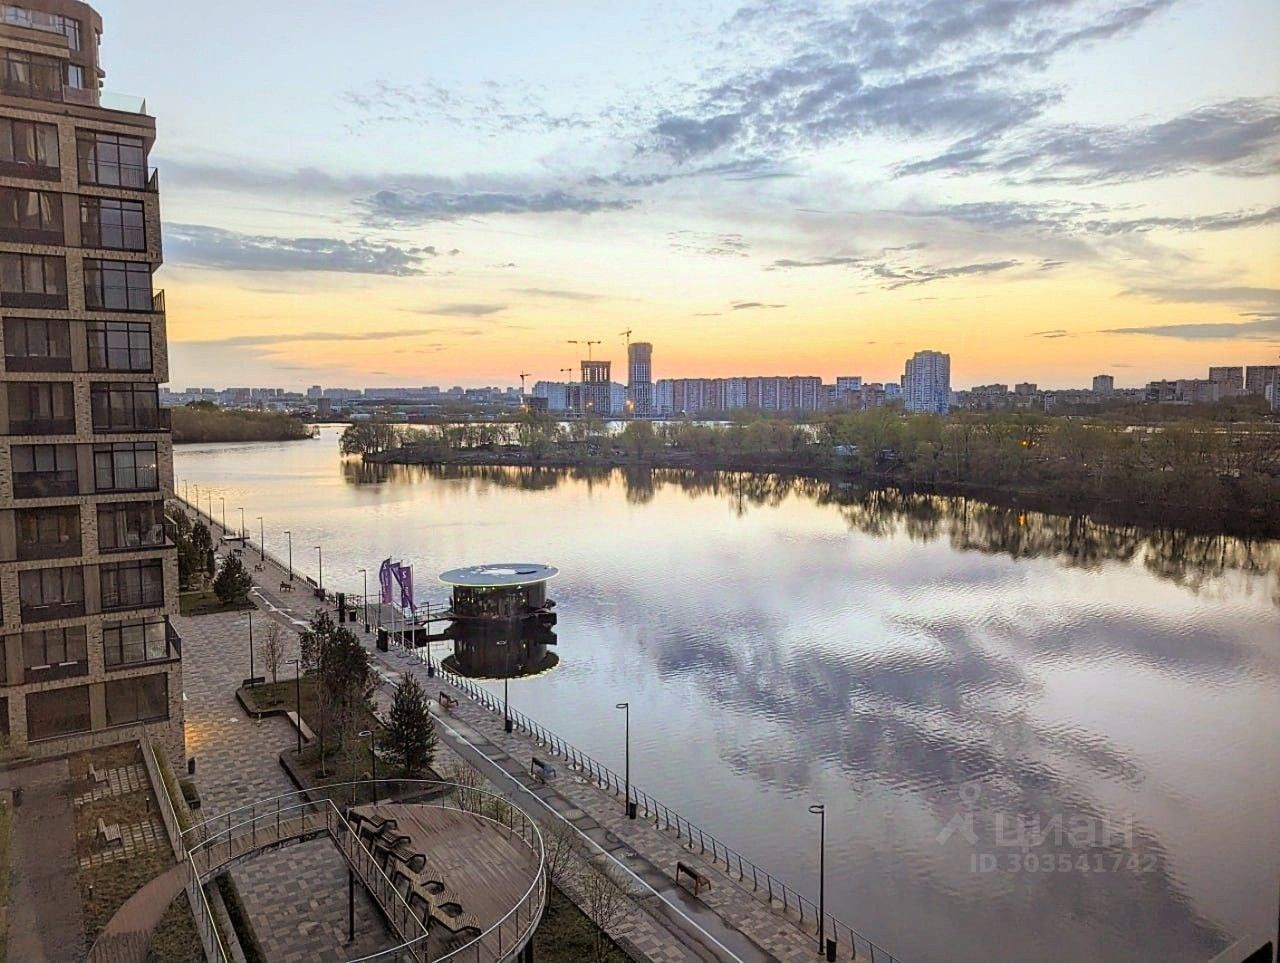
<point x="745" y="915"/>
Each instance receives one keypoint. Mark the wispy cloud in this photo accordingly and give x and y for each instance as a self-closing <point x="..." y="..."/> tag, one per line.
<point x="410" y="207"/>
<point x="560" y="294"/>
<point x="297" y="337"/>
<point x="204" y="246"/>
<point x="1051" y="333"/>
<point x="1263" y="329"/>
<point x="462" y="310"/>
<point x="754" y="305"/>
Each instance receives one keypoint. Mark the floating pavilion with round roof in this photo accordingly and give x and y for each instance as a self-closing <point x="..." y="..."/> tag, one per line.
<point x="501" y="592"/>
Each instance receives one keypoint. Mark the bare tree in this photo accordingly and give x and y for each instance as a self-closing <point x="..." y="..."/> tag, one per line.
<point x="607" y="895"/>
<point x="273" y="649"/>
<point x="560" y="841"/>
<point x="467" y="783"/>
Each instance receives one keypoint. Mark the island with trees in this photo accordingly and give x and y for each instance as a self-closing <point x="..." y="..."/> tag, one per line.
<point x="204" y="422"/>
<point x="1198" y="474"/>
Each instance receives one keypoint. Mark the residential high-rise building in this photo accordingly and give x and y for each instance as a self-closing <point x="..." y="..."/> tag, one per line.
<point x="926" y="382"/>
<point x="88" y="578"/>
<point x="1230" y="378"/>
<point x="1103" y="384"/>
<point x="595" y="396"/>
<point x="1258" y="376"/>
<point x="640" y="378"/>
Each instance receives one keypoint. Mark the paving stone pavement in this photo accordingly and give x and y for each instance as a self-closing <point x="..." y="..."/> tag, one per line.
<point x="296" y="897"/>
<point x="143" y="837"/>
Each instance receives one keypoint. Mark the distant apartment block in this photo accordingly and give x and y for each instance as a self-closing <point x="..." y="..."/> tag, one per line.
<point x="640" y="378"/>
<point x="1258" y="376"/>
<point x="926" y="382"/>
<point x="1103" y="384"/>
<point x="88" y="575"/>
<point x="1230" y="378"/>
<point x="595" y="392"/>
<point x="691" y="396"/>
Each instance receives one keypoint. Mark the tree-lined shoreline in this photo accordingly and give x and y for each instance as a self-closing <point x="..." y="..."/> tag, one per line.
<point x="1202" y="476"/>
<point x="203" y="423"/>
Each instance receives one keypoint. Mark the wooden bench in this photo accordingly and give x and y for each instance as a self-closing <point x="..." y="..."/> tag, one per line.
<point x="447" y="701"/>
<point x="109" y="834"/>
<point x="259" y="567"/>
<point x="698" y="881"/>
<point x="286" y="586"/>
<point x="96" y="775"/>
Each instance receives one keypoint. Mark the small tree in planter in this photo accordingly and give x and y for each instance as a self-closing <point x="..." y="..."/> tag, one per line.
<point x="273" y="649"/>
<point x="410" y="735"/>
<point x="233" y="582"/>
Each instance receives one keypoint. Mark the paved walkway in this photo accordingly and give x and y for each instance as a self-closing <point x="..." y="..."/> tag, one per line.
<point x="44" y="895"/>
<point x="730" y="921"/>
<point x="296" y="897"/>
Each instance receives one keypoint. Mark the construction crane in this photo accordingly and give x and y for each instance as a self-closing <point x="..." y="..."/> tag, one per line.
<point x="588" y="344"/>
<point x="627" y="334"/>
<point x="523" y="375"/>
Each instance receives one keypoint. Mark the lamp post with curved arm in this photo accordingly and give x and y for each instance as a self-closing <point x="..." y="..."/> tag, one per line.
<point x="820" y="811"/>
<point x="626" y="707"/>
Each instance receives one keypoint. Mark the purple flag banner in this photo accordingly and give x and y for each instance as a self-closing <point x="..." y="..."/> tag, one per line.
<point x="406" y="587"/>
<point x="384" y="580"/>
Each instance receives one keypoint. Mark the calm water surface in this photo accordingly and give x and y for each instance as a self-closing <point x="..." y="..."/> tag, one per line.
<point x="1036" y="738"/>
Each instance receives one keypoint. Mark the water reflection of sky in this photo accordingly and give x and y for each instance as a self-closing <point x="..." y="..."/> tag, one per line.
<point x="907" y="660"/>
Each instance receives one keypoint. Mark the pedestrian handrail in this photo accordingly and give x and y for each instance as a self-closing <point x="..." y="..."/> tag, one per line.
<point x="267" y="822"/>
<point x="765" y="885"/>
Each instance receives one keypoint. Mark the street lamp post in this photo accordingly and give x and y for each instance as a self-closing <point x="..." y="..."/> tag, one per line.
<point x="320" y="556"/>
<point x="364" y="598"/>
<point x="262" y="540"/>
<point x="289" y="535"/>
<point x="250" y="615"/>
<point x="297" y="691"/>
<point x="244" y="532"/>
<point x="224" y="514"/>
<point x="821" y="812"/>
<point x="506" y="671"/>
<point x="626" y="707"/>
<point x="373" y="763"/>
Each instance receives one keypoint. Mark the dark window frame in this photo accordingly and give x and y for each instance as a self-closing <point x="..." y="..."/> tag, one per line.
<point x="58" y="593"/>
<point x="33" y="280"/>
<point x="54" y="471"/>
<point x="131" y="526"/>
<point x="58" y="702"/>
<point x="128" y="693"/>
<point x="104" y="224"/>
<point x="125" y="406"/>
<point x="107" y="159"/>
<point x="125" y="473"/>
<point x="139" y="642"/>
<point x="135" y="584"/>
<point x="37" y="344"/>
<point x="111" y="285"/>
<point x="52" y="532"/>
<point x="50" y="407"/>
<point x="110" y="342"/>
<point x="35" y="139"/>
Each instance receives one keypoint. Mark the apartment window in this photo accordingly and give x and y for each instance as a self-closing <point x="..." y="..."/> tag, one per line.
<point x="37" y="344"/>
<point x="51" y="593"/>
<point x="45" y="471"/>
<point x="33" y="281"/>
<point x="58" y="712"/>
<point x="25" y="74"/>
<point x="112" y="160"/>
<point x="132" y="585"/>
<point x="28" y="149"/>
<point x="33" y="217"/>
<point x="128" y="466"/>
<point x="41" y="408"/>
<point x="124" y="406"/>
<point x="119" y="345"/>
<point x="141" y="699"/>
<point x="124" y="526"/>
<point x="48" y="532"/>
<point x="39" y="20"/>
<point x="117" y="285"/>
<point x="110" y="223"/>
<point x="132" y="643"/>
<point x="75" y="77"/>
<point x="55" y="654"/>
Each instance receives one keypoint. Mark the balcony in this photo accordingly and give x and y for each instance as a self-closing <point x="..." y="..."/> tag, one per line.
<point x="33" y="551"/>
<point x="161" y="420"/>
<point x="42" y="426"/>
<point x="33" y="172"/>
<point x="57" y="670"/>
<point x="28" y="235"/>
<point x="34" y="299"/>
<point x="25" y="362"/>
<point x="52" y="611"/>
<point x="46" y="484"/>
<point x="157" y="302"/>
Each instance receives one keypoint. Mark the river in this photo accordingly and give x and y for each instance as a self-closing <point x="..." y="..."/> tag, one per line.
<point x="1036" y="738"/>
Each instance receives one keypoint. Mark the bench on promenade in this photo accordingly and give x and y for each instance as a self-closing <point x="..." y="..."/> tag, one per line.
<point x="259" y="567"/>
<point x="697" y="880"/>
<point x="542" y="771"/>
<point x="447" y="701"/>
<point x="286" y="586"/>
<point x="96" y="775"/>
<point x="109" y="834"/>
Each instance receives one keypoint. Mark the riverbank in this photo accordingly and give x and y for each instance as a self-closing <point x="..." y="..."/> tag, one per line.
<point x="200" y="424"/>
<point x="1236" y="510"/>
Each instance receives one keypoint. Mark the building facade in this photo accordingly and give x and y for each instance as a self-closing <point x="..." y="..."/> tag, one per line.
<point x="88" y="576"/>
<point x="1103" y="384"/>
<point x="1231" y="379"/>
<point x="595" y="392"/>
<point x="926" y="382"/>
<point x="1258" y="376"/>
<point x="640" y="378"/>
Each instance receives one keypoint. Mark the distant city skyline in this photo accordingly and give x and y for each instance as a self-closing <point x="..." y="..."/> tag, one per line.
<point x="1043" y="190"/>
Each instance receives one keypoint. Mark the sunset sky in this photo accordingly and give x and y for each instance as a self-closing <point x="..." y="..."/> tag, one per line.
<point x="413" y="193"/>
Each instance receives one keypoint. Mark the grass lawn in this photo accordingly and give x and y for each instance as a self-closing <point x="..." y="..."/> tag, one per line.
<point x="205" y="602"/>
<point x="566" y="935"/>
<point x="105" y="888"/>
